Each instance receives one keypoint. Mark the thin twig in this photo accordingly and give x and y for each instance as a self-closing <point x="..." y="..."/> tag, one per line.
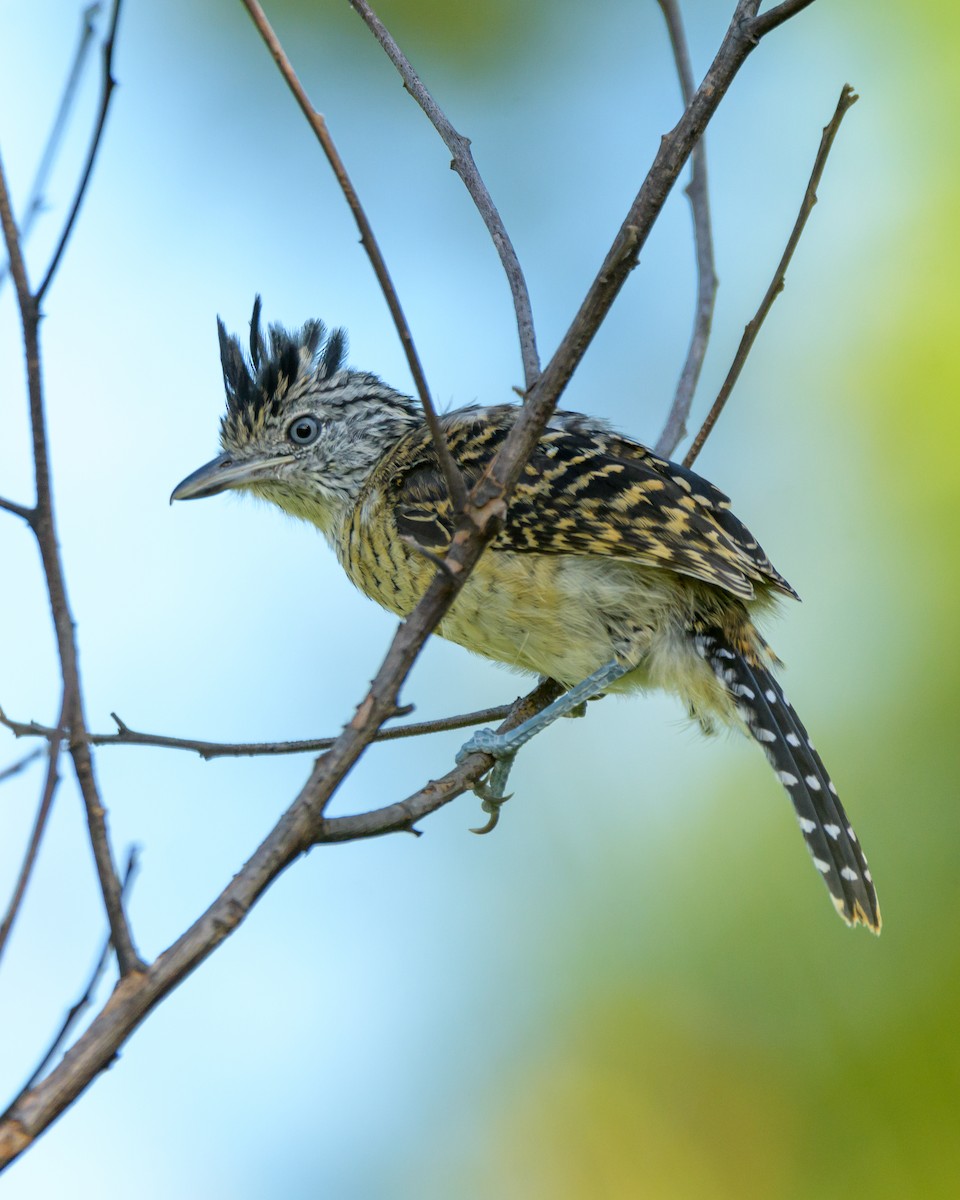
<point x="106" y="91"/>
<point x="451" y="474"/>
<point x="776" y="16"/>
<point x="125" y="736"/>
<point x="43" y="524"/>
<point x="698" y="194"/>
<point x="848" y="97"/>
<point x="36" y="836"/>
<point x="86" y="999"/>
<point x="137" y="994"/>
<point x="675" y="148"/>
<point x="464" y="165"/>
<point x="21" y="764"/>
<point x="18" y="510"/>
<point x="35" y="201"/>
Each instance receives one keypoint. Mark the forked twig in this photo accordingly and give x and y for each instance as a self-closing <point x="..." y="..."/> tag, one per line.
<point x="848" y="98"/>
<point x="676" y="424"/>
<point x="106" y="91"/>
<point x="775" y="16"/>
<point x="18" y="510"/>
<point x="464" y="165"/>
<point x="34" y="204"/>
<point x="43" y="524"/>
<point x="742" y="37"/>
<point x="451" y="474"/>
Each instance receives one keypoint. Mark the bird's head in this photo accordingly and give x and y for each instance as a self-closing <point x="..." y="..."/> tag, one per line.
<point x="299" y="429"/>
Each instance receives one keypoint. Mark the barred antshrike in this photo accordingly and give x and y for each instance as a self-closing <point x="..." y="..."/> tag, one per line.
<point x="615" y="569"/>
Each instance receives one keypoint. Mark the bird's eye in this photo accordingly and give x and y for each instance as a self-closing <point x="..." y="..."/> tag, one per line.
<point x="304" y="430"/>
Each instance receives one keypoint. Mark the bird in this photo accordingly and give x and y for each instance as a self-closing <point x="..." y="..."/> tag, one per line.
<point x="615" y="570"/>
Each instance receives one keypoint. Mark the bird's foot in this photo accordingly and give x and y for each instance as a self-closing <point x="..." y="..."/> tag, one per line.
<point x="491" y="789"/>
<point x="504" y="746"/>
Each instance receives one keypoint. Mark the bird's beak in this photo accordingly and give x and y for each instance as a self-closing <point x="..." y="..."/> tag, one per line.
<point x="226" y="472"/>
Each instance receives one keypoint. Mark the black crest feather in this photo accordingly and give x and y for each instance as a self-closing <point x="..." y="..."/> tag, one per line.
<point x="277" y="360"/>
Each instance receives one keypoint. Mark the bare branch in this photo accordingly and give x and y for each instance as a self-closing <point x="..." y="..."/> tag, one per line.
<point x="776" y="16"/>
<point x="36" y="836"/>
<point x="27" y="728"/>
<point x="15" y="263"/>
<point x="21" y="764"/>
<point x="35" y="202"/>
<point x="86" y="999"/>
<point x="18" y="510"/>
<point x="125" y="736"/>
<point x="109" y="83"/>
<point x="847" y="98"/>
<point x="138" y="993"/>
<point x="464" y="165"/>
<point x="127" y="956"/>
<point x="697" y="192"/>
<point x="403" y="815"/>
<point x="44" y="527"/>
<point x="675" y="148"/>
<point x="451" y="474"/>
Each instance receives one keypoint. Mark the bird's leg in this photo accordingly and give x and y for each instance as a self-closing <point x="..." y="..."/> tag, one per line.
<point x="504" y="746"/>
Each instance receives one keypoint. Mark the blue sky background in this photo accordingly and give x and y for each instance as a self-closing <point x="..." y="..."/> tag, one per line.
<point x="391" y="1014"/>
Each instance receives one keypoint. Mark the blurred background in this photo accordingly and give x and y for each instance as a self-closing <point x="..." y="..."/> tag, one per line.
<point x="637" y="986"/>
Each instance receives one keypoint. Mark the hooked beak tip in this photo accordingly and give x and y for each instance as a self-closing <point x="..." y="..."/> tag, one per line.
<point x="223" y="473"/>
<point x="214" y="476"/>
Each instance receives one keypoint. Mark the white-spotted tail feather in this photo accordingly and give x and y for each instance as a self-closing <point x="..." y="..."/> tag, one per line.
<point x="770" y="718"/>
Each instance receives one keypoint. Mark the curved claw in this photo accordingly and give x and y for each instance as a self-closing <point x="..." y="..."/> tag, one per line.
<point x="490" y="805"/>
<point x="491" y="789"/>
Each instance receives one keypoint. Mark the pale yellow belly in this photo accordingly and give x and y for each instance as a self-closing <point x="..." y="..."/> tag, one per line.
<point x="555" y="615"/>
<point x="565" y="617"/>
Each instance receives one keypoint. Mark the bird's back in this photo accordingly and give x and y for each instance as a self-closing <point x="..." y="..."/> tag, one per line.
<point x="586" y="491"/>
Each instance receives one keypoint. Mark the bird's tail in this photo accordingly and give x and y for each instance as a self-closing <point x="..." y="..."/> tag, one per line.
<point x="771" y="720"/>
